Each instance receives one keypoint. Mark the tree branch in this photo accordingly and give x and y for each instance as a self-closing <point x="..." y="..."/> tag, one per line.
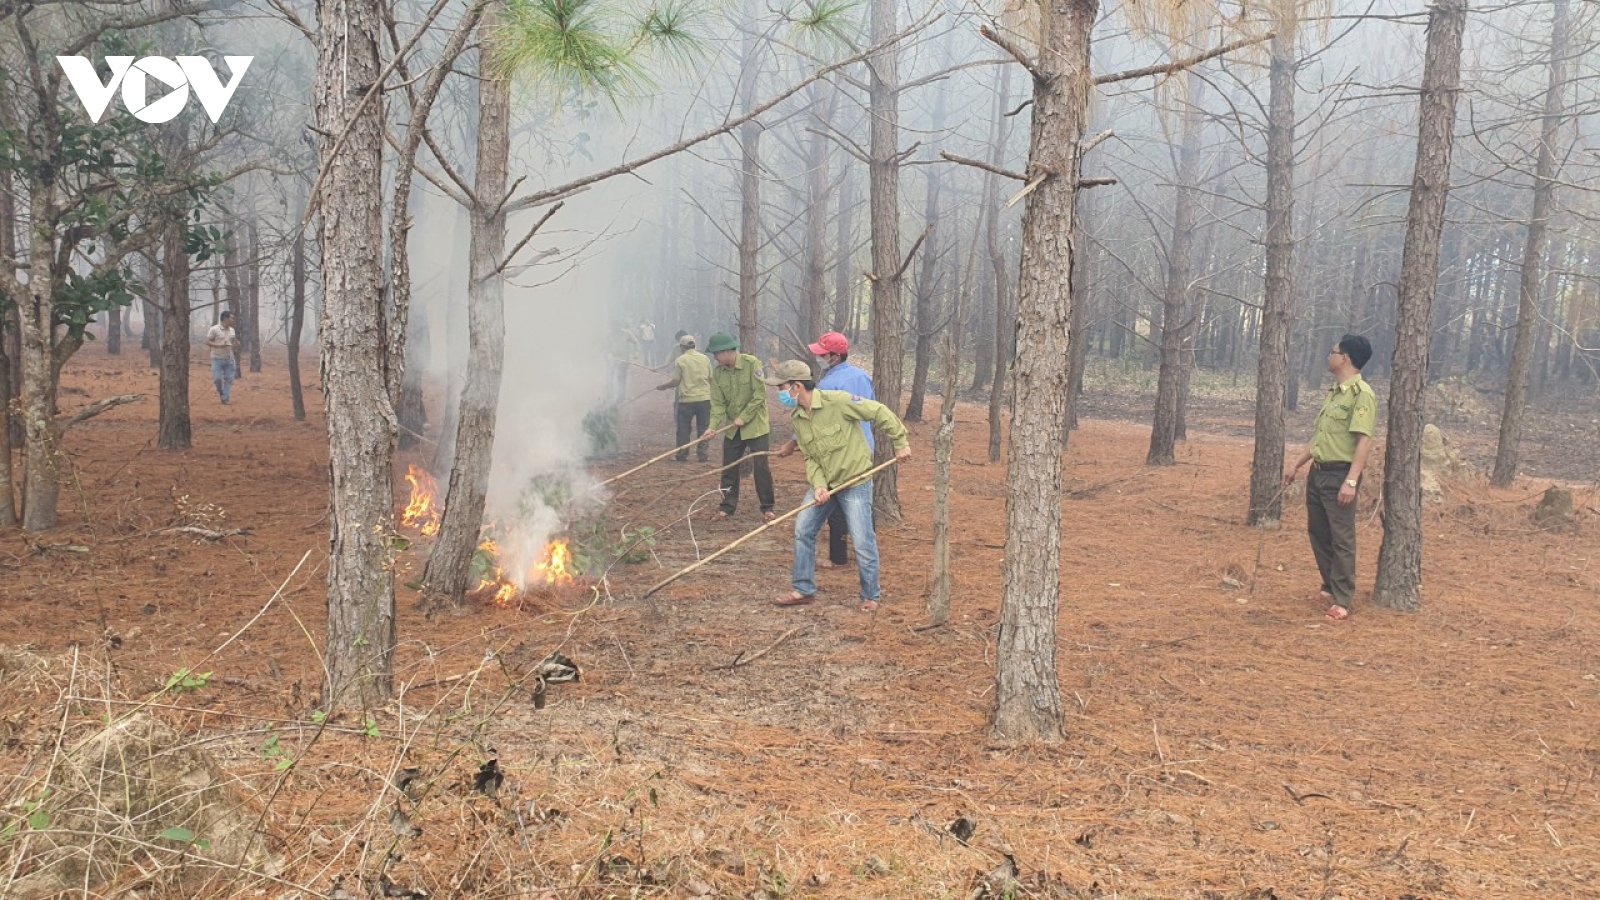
<point x="978" y="164"/>
<point x="96" y="408"/>
<point x="545" y="196"/>
<point x="1178" y="65"/>
<point x="1016" y="52"/>
<point x="1096" y="182"/>
<point x="526" y="238"/>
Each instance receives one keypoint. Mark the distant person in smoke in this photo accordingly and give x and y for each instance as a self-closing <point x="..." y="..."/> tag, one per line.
<point x="624" y="350"/>
<point x="692" y="403"/>
<point x="224" y="363"/>
<point x="739" y="397"/>
<point x="1338" y="453"/>
<point x="647" y="341"/>
<point x="826" y="426"/>
<point x="838" y="374"/>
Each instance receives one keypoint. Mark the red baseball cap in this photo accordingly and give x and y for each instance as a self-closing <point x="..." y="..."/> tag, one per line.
<point x="832" y="342"/>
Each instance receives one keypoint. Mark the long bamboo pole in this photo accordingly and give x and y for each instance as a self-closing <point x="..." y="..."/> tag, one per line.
<point x="788" y="515"/>
<point x="653" y="461"/>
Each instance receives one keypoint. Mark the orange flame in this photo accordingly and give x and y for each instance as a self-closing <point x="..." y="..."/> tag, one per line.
<point x="555" y="565"/>
<point x="422" y="510"/>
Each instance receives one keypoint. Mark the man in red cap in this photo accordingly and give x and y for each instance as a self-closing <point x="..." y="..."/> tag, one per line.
<point x="839" y="374"/>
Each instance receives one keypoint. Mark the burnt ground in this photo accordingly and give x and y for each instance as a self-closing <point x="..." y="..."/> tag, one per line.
<point x="1222" y="741"/>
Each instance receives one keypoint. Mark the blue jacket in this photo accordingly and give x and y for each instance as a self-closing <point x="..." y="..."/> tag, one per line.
<point x="853" y="380"/>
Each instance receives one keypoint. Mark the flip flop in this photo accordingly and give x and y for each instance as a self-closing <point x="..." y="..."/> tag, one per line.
<point x="794" y="599"/>
<point x="1338" y="613"/>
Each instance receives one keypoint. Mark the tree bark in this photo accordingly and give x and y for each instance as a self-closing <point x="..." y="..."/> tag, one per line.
<point x="252" y="288"/>
<point x="1277" y="309"/>
<point x="844" y="279"/>
<point x="815" y="265"/>
<point x="361" y="423"/>
<point x="1176" y="326"/>
<point x="943" y="452"/>
<point x="114" y="331"/>
<point x="749" y="189"/>
<point x="450" y="562"/>
<point x="1027" y="693"/>
<point x="297" y="321"/>
<point x="883" y="168"/>
<point x="10" y="325"/>
<point x="174" y="430"/>
<point x="927" y="288"/>
<point x="1532" y="284"/>
<point x="1078" y="321"/>
<point x="1399" y="580"/>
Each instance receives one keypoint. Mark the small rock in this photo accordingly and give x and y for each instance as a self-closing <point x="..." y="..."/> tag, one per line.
<point x="1229" y="584"/>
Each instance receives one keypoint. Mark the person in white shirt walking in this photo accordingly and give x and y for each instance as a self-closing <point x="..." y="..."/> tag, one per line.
<point x="224" y="367"/>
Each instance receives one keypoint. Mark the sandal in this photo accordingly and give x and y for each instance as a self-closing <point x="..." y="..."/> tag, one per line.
<point x="869" y="606"/>
<point x="1338" y="613"/>
<point x="794" y="598"/>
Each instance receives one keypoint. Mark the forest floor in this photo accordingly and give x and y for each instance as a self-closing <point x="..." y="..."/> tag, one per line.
<point x="1223" y="739"/>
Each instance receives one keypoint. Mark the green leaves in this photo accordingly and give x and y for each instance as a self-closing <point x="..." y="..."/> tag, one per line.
<point x="590" y="46"/>
<point x="185" y="680"/>
<point x="184" y="836"/>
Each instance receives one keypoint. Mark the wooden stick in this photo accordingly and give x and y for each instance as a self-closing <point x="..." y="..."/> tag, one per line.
<point x="742" y="660"/>
<point x="664" y="455"/>
<point x="788" y="515"/>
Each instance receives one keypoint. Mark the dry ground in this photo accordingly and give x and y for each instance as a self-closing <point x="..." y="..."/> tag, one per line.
<point x="1221" y="741"/>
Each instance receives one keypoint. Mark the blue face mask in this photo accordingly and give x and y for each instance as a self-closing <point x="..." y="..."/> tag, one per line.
<point x="788" y="400"/>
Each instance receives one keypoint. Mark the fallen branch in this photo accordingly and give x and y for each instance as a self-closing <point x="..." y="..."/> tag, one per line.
<point x="742" y="660"/>
<point x="788" y="515"/>
<point x="98" y="407"/>
<point x="1302" y="798"/>
<point x="206" y="533"/>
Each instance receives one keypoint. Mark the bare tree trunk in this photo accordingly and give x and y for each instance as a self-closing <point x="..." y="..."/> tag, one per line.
<point x="815" y="265"/>
<point x="150" y="339"/>
<point x="1027" y="691"/>
<point x="749" y="189"/>
<point x="361" y="423"/>
<point x="927" y="288"/>
<point x="1078" y="322"/>
<point x="455" y="346"/>
<point x="1399" y="579"/>
<point x="450" y="562"/>
<point x="943" y="451"/>
<point x="1544" y="182"/>
<point x="114" y="331"/>
<point x="10" y="325"/>
<point x="1000" y="262"/>
<point x="1176" y="327"/>
<point x="1272" y="366"/>
<point x="252" y="287"/>
<point x="844" y="279"/>
<point x="883" y="167"/>
<point x="297" y="321"/>
<point x="174" y="431"/>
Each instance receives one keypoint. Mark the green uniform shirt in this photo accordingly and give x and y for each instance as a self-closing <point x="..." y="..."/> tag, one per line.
<point x="1350" y="410"/>
<point x="829" y="435"/>
<point x="739" y="393"/>
<point x="694" y="376"/>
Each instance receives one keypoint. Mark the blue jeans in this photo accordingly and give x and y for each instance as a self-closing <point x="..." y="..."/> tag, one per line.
<point x="222" y="375"/>
<point x="857" y="505"/>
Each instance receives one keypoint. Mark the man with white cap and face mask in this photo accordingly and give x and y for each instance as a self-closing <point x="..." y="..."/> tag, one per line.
<point x="826" y="427"/>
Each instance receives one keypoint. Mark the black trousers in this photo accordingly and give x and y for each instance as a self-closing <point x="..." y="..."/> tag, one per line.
<point x="694" y="418"/>
<point x="733" y="450"/>
<point x="1333" y="530"/>
<point x="838" y="529"/>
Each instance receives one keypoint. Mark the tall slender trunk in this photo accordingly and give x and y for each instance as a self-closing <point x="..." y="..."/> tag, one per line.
<point x="450" y="562"/>
<point x="9" y="332"/>
<point x="1176" y="327"/>
<point x="252" y="288"/>
<point x="297" y="321"/>
<point x="174" y="431"/>
<point x="114" y="331"/>
<point x="1399" y="580"/>
<point x="1027" y="690"/>
<point x="883" y="168"/>
<point x="1532" y="285"/>
<point x="1078" y="323"/>
<point x="1000" y="263"/>
<point x="815" y="265"/>
<point x="844" y="278"/>
<point x="361" y="424"/>
<point x="1277" y="308"/>
<point x="927" y="311"/>
<point x="749" y="188"/>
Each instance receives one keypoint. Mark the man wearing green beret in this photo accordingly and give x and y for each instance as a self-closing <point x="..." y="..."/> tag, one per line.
<point x="827" y="426"/>
<point x="739" y="398"/>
